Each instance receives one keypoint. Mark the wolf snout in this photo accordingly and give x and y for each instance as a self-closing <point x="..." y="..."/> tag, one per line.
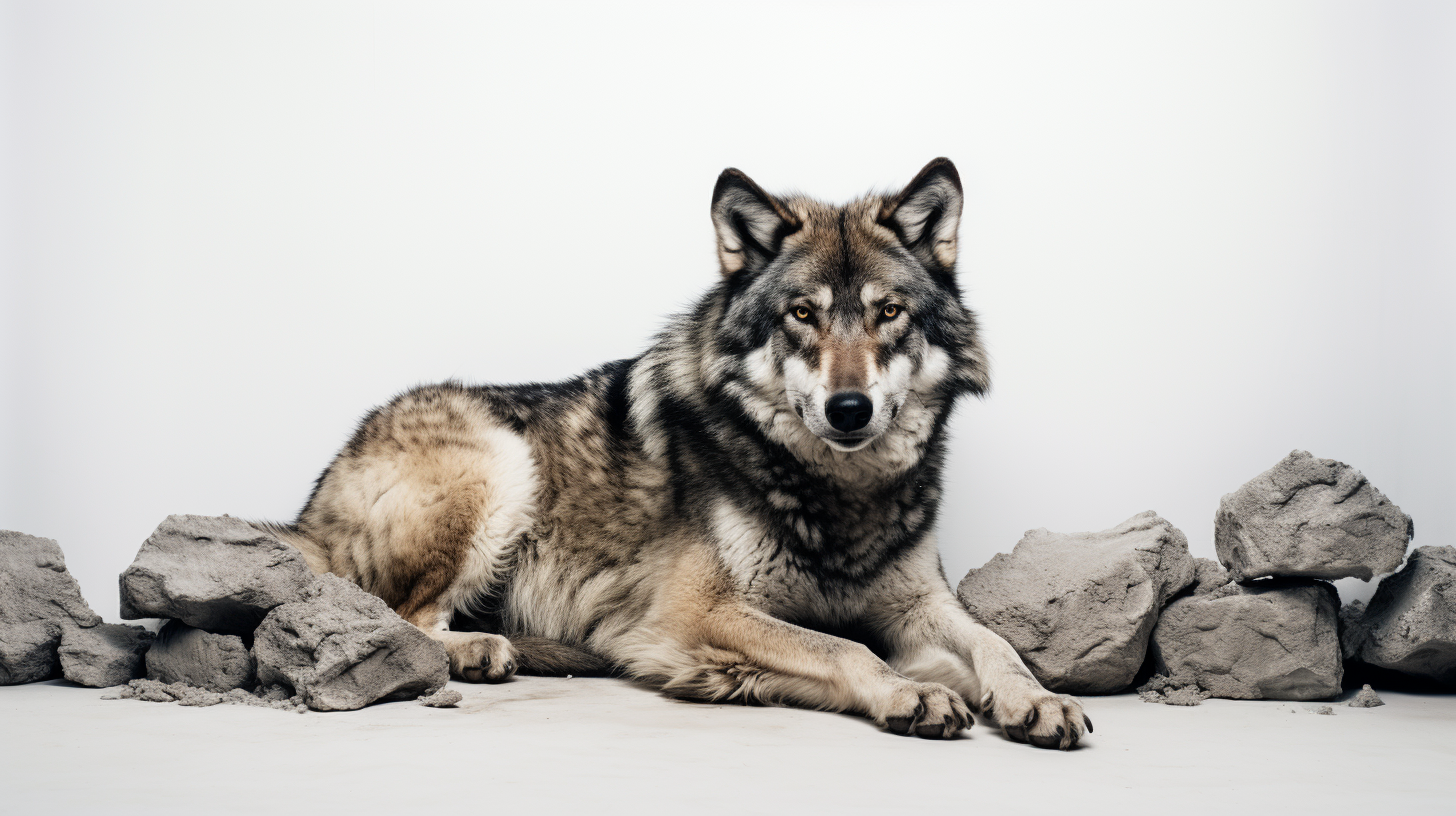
<point x="848" y="411"/>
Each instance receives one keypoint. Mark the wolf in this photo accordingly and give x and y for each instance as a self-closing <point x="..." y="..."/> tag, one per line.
<point x="744" y="512"/>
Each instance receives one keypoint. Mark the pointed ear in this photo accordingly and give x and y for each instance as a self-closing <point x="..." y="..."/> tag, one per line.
<point x="927" y="213"/>
<point x="750" y="223"/>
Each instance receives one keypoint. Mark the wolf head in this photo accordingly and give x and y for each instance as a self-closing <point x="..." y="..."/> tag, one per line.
<point x="844" y="321"/>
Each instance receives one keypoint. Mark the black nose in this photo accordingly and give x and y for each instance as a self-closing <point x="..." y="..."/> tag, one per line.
<point x="849" y="411"/>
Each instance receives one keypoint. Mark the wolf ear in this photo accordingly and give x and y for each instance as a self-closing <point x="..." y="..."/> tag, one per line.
<point x="927" y="213"/>
<point x="750" y="223"/>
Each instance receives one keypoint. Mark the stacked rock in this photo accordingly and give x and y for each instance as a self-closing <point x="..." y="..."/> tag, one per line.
<point x="245" y="611"/>
<point x="1083" y="610"/>
<point x="46" y="627"/>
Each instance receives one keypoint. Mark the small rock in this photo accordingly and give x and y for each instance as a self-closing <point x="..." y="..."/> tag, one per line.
<point x="182" y="654"/>
<point x="444" y="698"/>
<point x="220" y="574"/>
<point x="28" y="651"/>
<point x="1272" y="640"/>
<point x="1309" y="517"/>
<point x="105" y="655"/>
<point x="342" y="648"/>
<point x="1177" y="691"/>
<point x="1079" y="607"/>
<point x="1365" y="698"/>
<point x="1410" y="624"/>
<point x="153" y="691"/>
<point x="34" y="583"/>
<point x="1324" y="710"/>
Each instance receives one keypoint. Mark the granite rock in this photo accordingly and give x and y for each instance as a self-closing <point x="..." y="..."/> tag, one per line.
<point x="220" y="574"/>
<point x="1310" y="517"/>
<point x="1271" y="640"/>
<point x="28" y="651"/>
<point x="105" y="655"/>
<point x="34" y="583"/>
<point x="341" y="648"/>
<point x="1409" y="625"/>
<point x="1079" y="607"/>
<point x="182" y="654"/>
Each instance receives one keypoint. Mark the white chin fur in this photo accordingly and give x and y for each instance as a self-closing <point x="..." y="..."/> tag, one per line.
<point x="848" y="447"/>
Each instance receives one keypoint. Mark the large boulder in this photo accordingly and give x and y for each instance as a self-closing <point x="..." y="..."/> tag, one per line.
<point x="28" y="651"/>
<point x="1410" y="624"/>
<point x="341" y="648"/>
<point x="1079" y="607"/>
<point x="215" y="573"/>
<point x="1276" y="639"/>
<point x="182" y="654"/>
<point x="105" y="655"/>
<point x="1309" y="517"/>
<point x="34" y="583"/>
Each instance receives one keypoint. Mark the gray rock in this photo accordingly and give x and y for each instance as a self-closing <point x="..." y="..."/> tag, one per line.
<point x="153" y="691"/>
<point x="28" y="651"/>
<point x="215" y="573"/>
<point x="1365" y="698"/>
<point x="341" y="648"/>
<point x="1079" y="607"/>
<point x="105" y="655"/>
<point x="1308" y="517"/>
<point x="182" y="654"/>
<point x="34" y="583"/>
<point x="1410" y="623"/>
<point x="1174" y="691"/>
<point x="444" y="698"/>
<point x="1272" y="640"/>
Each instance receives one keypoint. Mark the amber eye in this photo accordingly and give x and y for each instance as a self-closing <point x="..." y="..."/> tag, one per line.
<point x="803" y="313"/>
<point x="890" y="312"/>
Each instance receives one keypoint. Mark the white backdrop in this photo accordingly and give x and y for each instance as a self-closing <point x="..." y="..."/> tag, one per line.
<point x="1199" y="235"/>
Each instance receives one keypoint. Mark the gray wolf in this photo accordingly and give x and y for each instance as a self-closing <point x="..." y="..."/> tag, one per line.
<point x="743" y="512"/>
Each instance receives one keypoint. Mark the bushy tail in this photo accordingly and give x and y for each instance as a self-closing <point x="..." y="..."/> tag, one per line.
<point x="552" y="658"/>
<point x="314" y="553"/>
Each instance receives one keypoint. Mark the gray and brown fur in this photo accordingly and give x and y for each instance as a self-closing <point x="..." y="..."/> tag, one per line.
<point x="701" y="517"/>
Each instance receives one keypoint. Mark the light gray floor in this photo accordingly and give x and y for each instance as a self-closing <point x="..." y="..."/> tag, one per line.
<point x="590" y="746"/>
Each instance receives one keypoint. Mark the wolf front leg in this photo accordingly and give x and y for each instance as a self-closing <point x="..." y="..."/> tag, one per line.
<point x="703" y="642"/>
<point x="932" y="638"/>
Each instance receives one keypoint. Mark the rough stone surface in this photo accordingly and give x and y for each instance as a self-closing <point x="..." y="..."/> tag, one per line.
<point x="1365" y="698"/>
<point x="215" y="573"/>
<point x="34" y="583"/>
<point x="1273" y="640"/>
<point x="28" y="651"/>
<point x="444" y="698"/>
<point x="1409" y="625"/>
<point x="1175" y="691"/>
<point x="104" y="655"/>
<point x="153" y="691"/>
<point x="342" y="648"/>
<point x="182" y="654"/>
<point x="1079" y="607"/>
<point x="1309" y="517"/>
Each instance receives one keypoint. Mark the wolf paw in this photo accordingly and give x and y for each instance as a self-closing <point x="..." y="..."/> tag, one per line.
<point x="1038" y="716"/>
<point x="477" y="657"/>
<point x="927" y="710"/>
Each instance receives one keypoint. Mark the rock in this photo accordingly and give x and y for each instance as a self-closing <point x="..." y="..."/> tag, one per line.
<point x="215" y="573"/>
<point x="217" y="663"/>
<point x="1175" y="691"/>
<point x="108" y="654"/>
<point x="28" y="651"/>
<point x="1326" y="710"/>
<point x="34" y="583"/>
<point x="1272" y="640"/>
<point x="1208" y="575"/>
<point x="444" y="698"/>
<point x="1365" y="698"/>
<point x="341" y="648"/>
<point x="153" y="691"/>
<point x="1308" y="517"/>
<point x="1079" y="607"/>
<point x="1410" y="624"/>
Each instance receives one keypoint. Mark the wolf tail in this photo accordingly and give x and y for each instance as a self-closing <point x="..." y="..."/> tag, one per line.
<point x="534" y="655"/>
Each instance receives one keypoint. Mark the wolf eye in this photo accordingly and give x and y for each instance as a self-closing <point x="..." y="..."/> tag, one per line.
<point x="890" y="312"/>
<point x="803" y="313"/>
